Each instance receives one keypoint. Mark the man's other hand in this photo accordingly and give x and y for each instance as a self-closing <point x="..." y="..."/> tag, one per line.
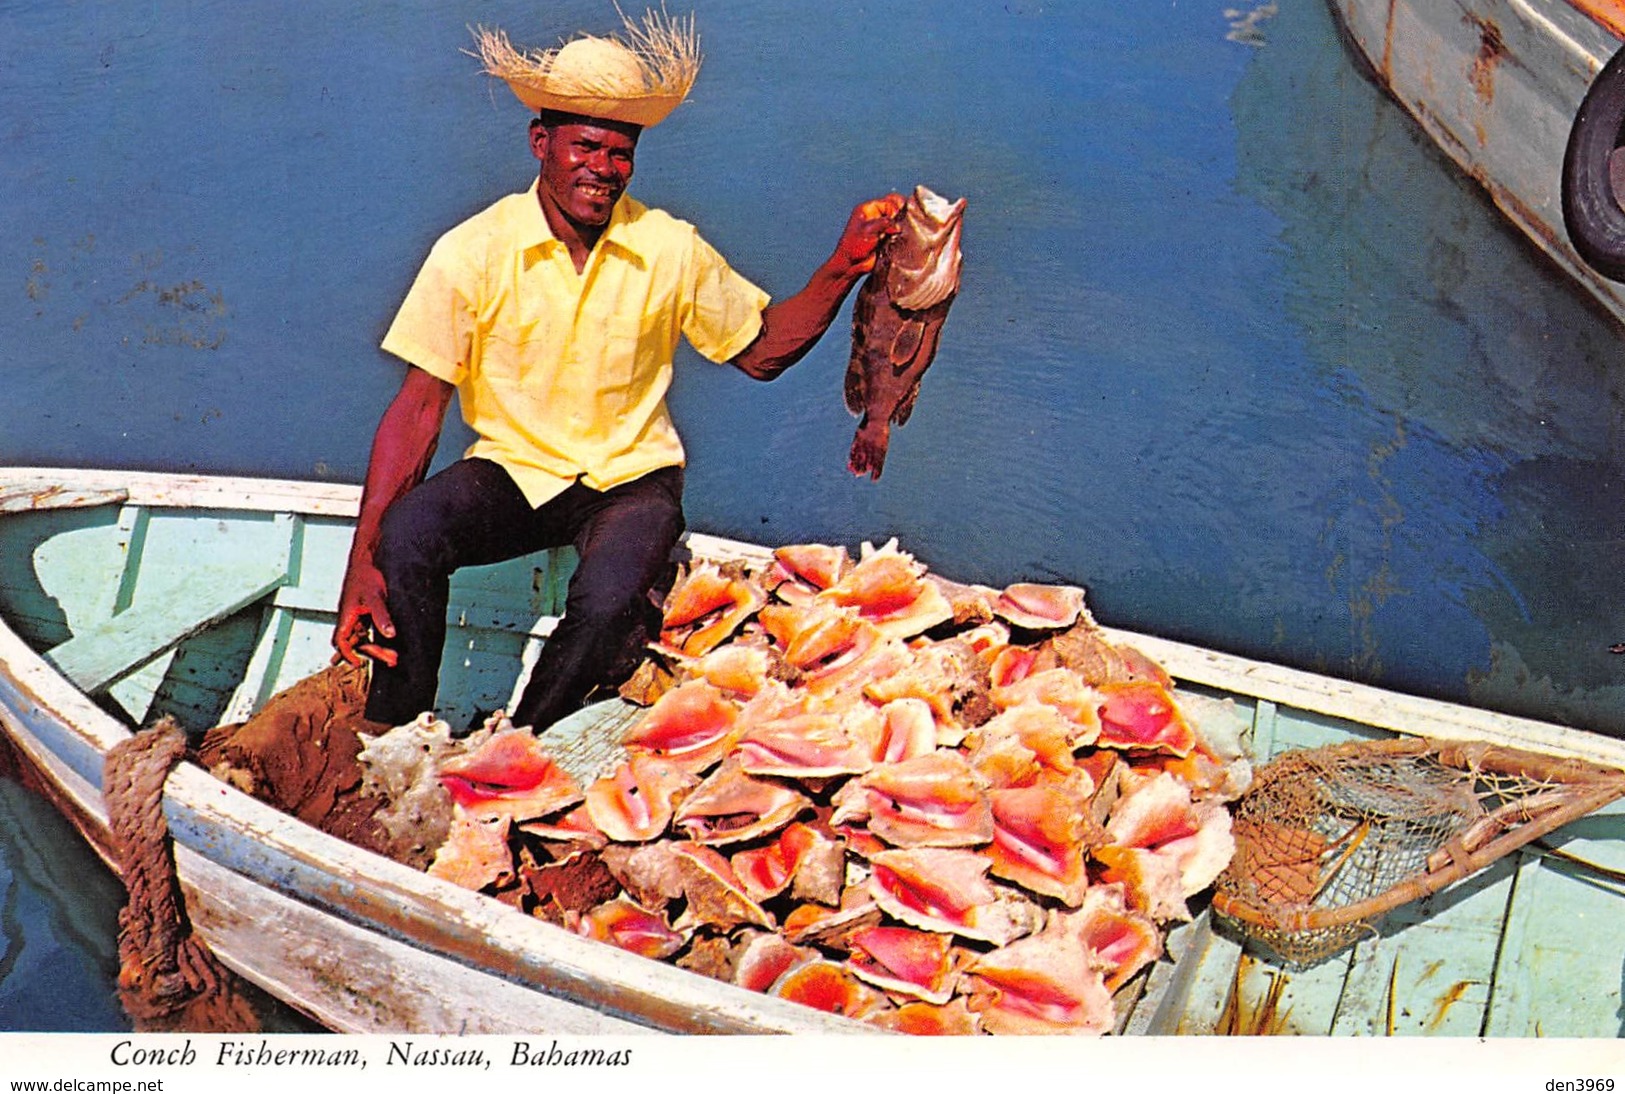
<point x="363" y="614"/>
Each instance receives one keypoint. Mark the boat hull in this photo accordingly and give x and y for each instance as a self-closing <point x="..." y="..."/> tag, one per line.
<point x="1496" y="85"/>
<point x="363" y="944"/>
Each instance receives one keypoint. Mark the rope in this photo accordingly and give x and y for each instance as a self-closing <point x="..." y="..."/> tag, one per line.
<point x="169" y="980"/>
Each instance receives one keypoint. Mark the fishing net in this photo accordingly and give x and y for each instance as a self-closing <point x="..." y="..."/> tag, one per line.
<point x="1330" y="839"/>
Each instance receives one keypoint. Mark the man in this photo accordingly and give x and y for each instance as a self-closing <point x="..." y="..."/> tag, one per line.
<point x="553" y="315"/>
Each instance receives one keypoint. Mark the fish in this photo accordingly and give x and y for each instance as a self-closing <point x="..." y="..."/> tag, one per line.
<point x="897" y="322"/>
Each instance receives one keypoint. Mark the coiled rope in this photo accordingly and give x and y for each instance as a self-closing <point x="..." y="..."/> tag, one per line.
<point x="169" y="980"/>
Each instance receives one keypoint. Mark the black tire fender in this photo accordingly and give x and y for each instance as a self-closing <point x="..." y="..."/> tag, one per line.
<point x="1591" y="205"/>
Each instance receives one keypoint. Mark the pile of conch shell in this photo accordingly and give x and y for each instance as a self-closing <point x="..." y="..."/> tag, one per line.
<point x="939" y="808"/>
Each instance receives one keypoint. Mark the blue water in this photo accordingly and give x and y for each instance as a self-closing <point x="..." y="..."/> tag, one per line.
<point x="1236" y="348"/>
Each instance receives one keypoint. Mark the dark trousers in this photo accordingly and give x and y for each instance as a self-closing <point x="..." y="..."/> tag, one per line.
<point x="472" y="514"/>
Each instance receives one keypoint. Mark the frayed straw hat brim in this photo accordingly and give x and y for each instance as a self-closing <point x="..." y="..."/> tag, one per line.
<point x="639" y="81"/>
<point x="646" y="111"/>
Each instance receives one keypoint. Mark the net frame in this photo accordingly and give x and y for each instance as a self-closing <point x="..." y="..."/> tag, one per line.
<point x="1330" y="839"/>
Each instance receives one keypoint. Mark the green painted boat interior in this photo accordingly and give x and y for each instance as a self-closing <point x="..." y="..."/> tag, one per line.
<point x="204" y="614"/>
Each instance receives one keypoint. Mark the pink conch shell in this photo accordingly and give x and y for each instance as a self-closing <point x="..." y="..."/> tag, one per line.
<point x="738" y="670"/>
<point x="575" y="827"/>
<point x="1152" y="883"/>
<point x="933" y="800"/>
<point x="713" y="892"/>
<point x="949" y="678"/>
<point x="1042" y="731"/>
<point x="1102" y="768"/>
<point x="765" y="872"/>
<point x="475" y="853"/>
<point x="1152" y="811"/>
<point x="909" y="729"/>
<point x="1158" y="815"/>
<point x="810" y="635"/>
<point x="1142" y="714"/>
<point x="1002" y="761"/>
<point x="1060" y="689"/>
<point x="899" y="959"/>
<point x="766" y="957"/>
<point x="1220" y="766"/>
<point x="855" y="832"/>
<point x="888" y="589"/>
<point x="971" y="604"/>
<point x="731" y="806"/>
<point x="634" y="802"/>
<point x="691" y="725"/>
<point x="1203" y="855"/>
<point x="706" y="608"/>
<point x="512" y="774"/>
<point x="1040" y="607"/>
<point x="651" y="873"/>
<point x="631" y="927"/>
<point x="1049" y="983"/>
<point x="1039" y="838"/>
<point x="817" y="925"/>
<point x="936" y="889"/>
<point x="1085" y="650"/>
<point x="1140" y="667"/>
<point x="1124" y="940"/>
<point x="812" y="743"/>
<point x="1009" y="665"/>
<point x="817" y="564"/>
<point x="827" y="986"/>
<point x="929" y="1020"/>
<point x="831" y="648"/>
<point x="871" y="657"/>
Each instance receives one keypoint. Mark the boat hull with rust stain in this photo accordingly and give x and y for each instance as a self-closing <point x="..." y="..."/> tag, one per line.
<point x="1496" y="84"/>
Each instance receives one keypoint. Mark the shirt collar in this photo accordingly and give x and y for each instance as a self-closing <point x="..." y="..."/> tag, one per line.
<point x="532" y="229"/>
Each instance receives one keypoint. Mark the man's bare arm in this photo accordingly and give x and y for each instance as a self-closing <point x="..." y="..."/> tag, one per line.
<point x="402" y="447"/>
<point x="792" y="326"/>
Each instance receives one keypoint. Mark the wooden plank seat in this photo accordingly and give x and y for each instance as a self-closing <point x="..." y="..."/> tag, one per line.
<point x="161" y="620"/>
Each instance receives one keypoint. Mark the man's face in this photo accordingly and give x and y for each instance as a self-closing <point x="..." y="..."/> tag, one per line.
<point x="585" y="168"/>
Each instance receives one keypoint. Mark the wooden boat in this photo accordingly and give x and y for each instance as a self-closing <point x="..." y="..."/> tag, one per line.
<point x="1497" y="84"/>
<point x="128" y="595"/>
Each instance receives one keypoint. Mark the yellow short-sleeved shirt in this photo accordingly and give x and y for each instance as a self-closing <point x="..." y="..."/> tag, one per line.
<point x="564" y="375"/>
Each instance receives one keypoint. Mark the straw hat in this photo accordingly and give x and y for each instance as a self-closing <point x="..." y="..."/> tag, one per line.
<point x="638" y="80"/>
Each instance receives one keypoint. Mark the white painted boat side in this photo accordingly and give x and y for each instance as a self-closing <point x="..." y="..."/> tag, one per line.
<point x="1496" y="84"/>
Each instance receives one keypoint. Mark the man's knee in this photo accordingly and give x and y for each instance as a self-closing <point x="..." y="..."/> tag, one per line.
<point x="615" y="599"/>
<point x="405" y="544"/>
